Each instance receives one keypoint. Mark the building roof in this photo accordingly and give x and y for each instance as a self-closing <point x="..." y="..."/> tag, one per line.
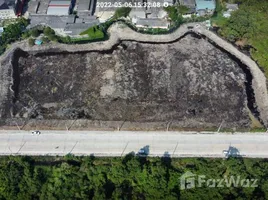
<point x="58" y="10"/>
<point x="137" y="12"/>
<point x="230" y="6"/>
<point x="57" y="22"/>
<point x="33" y="6"/>
<point x="77" y="28"/>
<point x="83" y="5"/>
<point x="227" y="14"/>
<point x="190" y="3"/>
<point x="155" y="12"/>
<point x="154" y="23"/>
<point x="205" y="4"/>
<point x="7" y="4"/>
<point x="59" y="3"/>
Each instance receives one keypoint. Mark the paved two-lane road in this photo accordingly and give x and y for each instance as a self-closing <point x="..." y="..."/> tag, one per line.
<point x="100" y="143"/>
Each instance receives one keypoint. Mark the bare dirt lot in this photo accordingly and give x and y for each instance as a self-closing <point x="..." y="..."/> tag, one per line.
<point x="188" y="81"/>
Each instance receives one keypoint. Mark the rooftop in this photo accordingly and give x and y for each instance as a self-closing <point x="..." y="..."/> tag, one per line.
<point x="58" y="10"/>
<point x="59" y="3"/>
<point x="33" y="6"/>
<point x="232" y="6"/>
<point x="42" y="9"/>
<point x="7" y="4"/>
<point x="153" y="23"/>
<point x="57" y="22"/>
<point x="137" y="12"/>
<point x="77" y="28"/>
<point x="83" y="5"/>
<point x="188" y="3"/>
<point x="205" y="4"/>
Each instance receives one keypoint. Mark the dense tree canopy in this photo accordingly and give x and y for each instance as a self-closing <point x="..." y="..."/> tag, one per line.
<point x="130" y="177"/>
<point x="249" y="26"/>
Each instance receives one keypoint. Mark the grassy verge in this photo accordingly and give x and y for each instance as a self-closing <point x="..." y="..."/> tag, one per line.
<point x="93" y="33"/>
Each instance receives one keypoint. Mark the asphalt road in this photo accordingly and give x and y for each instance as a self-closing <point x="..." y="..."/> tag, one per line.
<point x="100" y="143"/>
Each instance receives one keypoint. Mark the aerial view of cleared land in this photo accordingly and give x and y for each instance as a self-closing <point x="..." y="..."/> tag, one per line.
<point x="189" y="81"/>
<point x="133" y="102"/>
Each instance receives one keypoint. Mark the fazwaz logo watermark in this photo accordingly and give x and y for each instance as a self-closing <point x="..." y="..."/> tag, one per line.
<point x="189" y="180"/>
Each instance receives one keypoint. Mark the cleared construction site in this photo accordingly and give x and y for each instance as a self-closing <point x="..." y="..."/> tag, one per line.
<point x="188" y="84"/>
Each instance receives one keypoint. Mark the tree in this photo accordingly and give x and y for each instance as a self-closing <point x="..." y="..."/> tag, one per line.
<point x="48" y="31"/>
<point x="174" y="15"/>
<point x="31" y="41"/>
<point x="122" y="12"/>
<point x="52" y="37"/>
<point x="45" y="40"/>
<point x="25" y="35"/>
<point x="35" y="33"/>
<point x="183" y="9"/>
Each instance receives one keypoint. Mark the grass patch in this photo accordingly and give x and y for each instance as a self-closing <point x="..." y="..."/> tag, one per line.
<point x="93" y="33"/>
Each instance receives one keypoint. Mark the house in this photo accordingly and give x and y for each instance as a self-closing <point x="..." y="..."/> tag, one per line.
<point x="205" y="7"/>
<point x="138" y="12"/>
<point x="230" y="8"/>
<point x="86" y="7"/>
<point x="189" y="4"/>
<point x="7" y="9"/>
<point x="56" y="7"/>
<point x="152" y="23"/>
<point x="33" y="7"/>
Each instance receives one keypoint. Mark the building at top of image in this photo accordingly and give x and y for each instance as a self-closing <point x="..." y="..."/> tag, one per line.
<point x="190" y="4"/>
<point x="59" y="7"/>
<point x="85" y="7"/>
<point x="205" y="7"/>
<point x="7" y="9"/>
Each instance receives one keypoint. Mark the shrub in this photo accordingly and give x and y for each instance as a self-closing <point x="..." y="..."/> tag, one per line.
<point x="52" y="37"/>
<point x="45" y="40"/>
<point x="49" y="31"/>
<point x="122" y="12"/>
<point x="25" y="35"/>
<point x="35" y="33"/>
<point x="31" y="41"/>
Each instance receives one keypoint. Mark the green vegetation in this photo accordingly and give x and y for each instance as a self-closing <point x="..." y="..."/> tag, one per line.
<point x="93" y="33"/>
<point x="31" y="41"/>
<point x="248" y="27"/>
<point x="174" y="14"/>
<point x="125" y="178"/>
<point x="12" y="32"/>
<point x="122" y="12"/>
<point x="48" y="31"/>
<point x="183" y="9"/>
<point x="35" y="32"/>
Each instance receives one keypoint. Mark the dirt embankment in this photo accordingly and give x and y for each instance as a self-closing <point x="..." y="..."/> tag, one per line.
<point x="187" y="84"/>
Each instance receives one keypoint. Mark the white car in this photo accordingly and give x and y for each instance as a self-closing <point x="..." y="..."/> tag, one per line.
<point x="36" y="132"/>
<point x="225" y="152"/>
